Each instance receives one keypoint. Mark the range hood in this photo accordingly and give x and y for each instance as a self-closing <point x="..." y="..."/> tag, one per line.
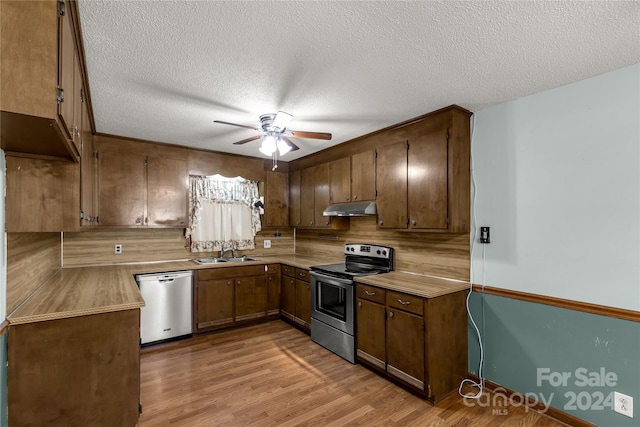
<point x="351" y="209"/>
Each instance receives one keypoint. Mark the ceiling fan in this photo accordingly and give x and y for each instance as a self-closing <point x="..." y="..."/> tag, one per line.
<point x="274" y="129"/>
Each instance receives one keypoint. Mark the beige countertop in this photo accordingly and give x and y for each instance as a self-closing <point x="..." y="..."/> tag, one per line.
<point x="81" y="291"/>
<point x="414" y="284"/>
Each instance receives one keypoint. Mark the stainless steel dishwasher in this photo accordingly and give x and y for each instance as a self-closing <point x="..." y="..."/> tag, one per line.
<point x="168" y="305"/>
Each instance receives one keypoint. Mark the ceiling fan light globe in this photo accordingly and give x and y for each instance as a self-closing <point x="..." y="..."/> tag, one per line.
<point x="268" y="146"/>
<point x="283" y="147"/>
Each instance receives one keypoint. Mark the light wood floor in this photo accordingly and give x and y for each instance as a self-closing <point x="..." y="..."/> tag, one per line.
<point x="274" y="375"/>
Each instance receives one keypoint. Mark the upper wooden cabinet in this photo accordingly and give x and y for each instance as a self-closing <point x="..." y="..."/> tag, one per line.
<point x="276" y="200"/>
<point x="363" y="176"/>
<point x="88" y="166"/>
<point x="340" y="180"/>
<point x="294" y="199"/>
<point x="41" y="78"/>
<point x="423" y="183"/>
<point x="141" y="184"/>
<point x="313" y="196"/>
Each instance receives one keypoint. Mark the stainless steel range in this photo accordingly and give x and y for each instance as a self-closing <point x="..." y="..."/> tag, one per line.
<point x="332" y="295"/>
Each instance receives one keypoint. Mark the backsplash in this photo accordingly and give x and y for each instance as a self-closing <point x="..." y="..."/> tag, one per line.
<point x="436" y="254"/>
<point x="96" y="247"/>
<point x="31" y="259"/>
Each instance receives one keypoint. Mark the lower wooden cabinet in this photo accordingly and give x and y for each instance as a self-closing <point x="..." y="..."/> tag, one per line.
<point x="420" y="342"/>
<point x="295" y="302"/>
<point x="78" y="371"/>
<point x="273" y="290"/>
<point x="230" y="295"/>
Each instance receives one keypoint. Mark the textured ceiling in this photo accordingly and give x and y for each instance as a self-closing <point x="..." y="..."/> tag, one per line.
<point x="163" y="71"/>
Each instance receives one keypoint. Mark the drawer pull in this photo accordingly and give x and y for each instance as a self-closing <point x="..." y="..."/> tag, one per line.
<point x="369" y="293"/>
<point x="404" y="302"/>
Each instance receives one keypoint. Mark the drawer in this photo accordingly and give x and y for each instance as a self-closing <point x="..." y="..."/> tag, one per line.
<point x="273" y="268"/>
<point x="287" y="270"/>
<point x="230" y="272"/>
<point x="370" y="293"/>
<point x="405" y="302"/>
<point x="302" y="274"/>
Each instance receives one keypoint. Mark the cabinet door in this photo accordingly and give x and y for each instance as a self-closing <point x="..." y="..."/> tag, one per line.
<point x="427" y="200"/>
<point x="87" y="172"/>
<point x="273" y="294"/>
<point x="370" y="320"/>
<point x="66" y="71"/>
<point x="307" y="197"/>
<point x="251" y="297"/>
<point x="288" y="297"/>
<point x="405" y="347"/>
<point x="294" y="199"/>
<point x="121" y="188"/>
<point x="303" y="302"/>
<point x="363" y="176"/>
<point x="391" y="182"/>
<point x="215" y="303"/>
<point x="340" y="180"/>
<point x="167" y="192"/>
<point x="76" y="127"/>
<point x="322" y="197"/>
<point x="276" y="203"/>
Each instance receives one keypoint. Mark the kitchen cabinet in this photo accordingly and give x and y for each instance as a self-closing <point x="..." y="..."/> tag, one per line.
<point x="294" y="199"/>
<point x="88" y="169"/>
<point x="76" y="371"/>
<point x="227" y="296"/>
<point x="371" y="319"/>
<point x="273" y="290"/>
<point x="40" y="66"/>
<point x="421" y="342"/>
<point x="363" y="176"/>
<point x="296" y="296"/>
<point x="141" y="184"/>
<point x="315" y="197"/>
<point x="340" y="180"/>
<point x="423" y="183"/>
<point x="276" y="200"/>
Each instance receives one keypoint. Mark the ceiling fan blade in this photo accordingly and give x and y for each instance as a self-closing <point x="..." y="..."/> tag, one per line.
<point x="235" y="124"/>
<point x="293" y="146"/>
<point x="244" y="141"/>
<point x="312" y="135"/>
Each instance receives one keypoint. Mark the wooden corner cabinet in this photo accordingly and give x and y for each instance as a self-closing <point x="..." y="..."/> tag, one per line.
<point x="419" y="342"/>
<point x="432" y="192"/>
<point x="43" y="87"/>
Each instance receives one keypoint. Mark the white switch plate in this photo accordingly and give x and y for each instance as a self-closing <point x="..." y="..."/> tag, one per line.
<point x="623" y="404"/>
<point x="267" y="244"/>
<point x="117" y="249"/>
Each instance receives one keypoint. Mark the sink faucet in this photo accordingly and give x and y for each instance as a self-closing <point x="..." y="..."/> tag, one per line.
<point x="224" y="250"/>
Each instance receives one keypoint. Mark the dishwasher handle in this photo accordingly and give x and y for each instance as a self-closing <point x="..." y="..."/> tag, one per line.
<point x="163" y="278"/>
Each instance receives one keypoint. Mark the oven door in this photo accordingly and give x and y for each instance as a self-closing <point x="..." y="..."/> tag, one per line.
<point x="332" y="301"/>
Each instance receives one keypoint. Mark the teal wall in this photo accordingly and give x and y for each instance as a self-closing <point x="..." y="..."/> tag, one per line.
<point x="520" y="337"/>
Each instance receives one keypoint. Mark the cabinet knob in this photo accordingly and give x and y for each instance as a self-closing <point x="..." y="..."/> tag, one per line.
<point x="326" y="223"/>
<point x="228" y="283"/>
<point x="347" y="198"/>
<point x="413" y="222"/>
<point x="359" y="304"/>
<point x="355" y="197"/>
<point x="138" y="220"/>
<point x="238" y="282"/>
<point x="310" y="222"/>
<point x="391" y="314"/>
<point x="381" y="223"/>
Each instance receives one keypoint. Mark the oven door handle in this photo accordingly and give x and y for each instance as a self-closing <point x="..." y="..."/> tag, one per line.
<point x="330" y="279"/>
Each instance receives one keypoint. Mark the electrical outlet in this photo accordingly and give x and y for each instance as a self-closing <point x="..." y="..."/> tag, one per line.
<point x="267" y="244"/>
<point x="117" y="249"/>
<point x="623" y="404"/>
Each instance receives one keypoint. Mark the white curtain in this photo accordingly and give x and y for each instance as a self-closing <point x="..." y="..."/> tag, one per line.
<point x="222" y="213"/>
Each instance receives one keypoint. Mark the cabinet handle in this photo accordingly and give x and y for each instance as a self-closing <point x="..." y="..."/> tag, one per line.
<point x="369" y="293"/>
<point x="413" y="222"/>
<point x="381" y="223"/>
<point x="359" y="304"/>
<point x="391" y="314"/>
<point x="326" y="223"/>
<point x="311" y="223"/>
<point x="238" y="282"/>
<point x="355" y="197"/>
<point x="228" y="283"/>
<point x="138" y="220"/>
<point x="347" y="198"/>
<point x="404" y="302"/>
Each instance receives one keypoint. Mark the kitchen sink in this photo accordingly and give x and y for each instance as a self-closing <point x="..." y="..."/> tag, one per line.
<point x="209" y="260"/>
<point x="241" y="259"/>
<point x="220" y="260"/>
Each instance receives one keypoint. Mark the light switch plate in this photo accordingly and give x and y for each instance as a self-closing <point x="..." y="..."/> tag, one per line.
<point x="267" y="244"/>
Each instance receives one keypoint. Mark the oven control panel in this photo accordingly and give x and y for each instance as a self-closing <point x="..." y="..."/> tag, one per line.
<point x="374" y="251"/>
